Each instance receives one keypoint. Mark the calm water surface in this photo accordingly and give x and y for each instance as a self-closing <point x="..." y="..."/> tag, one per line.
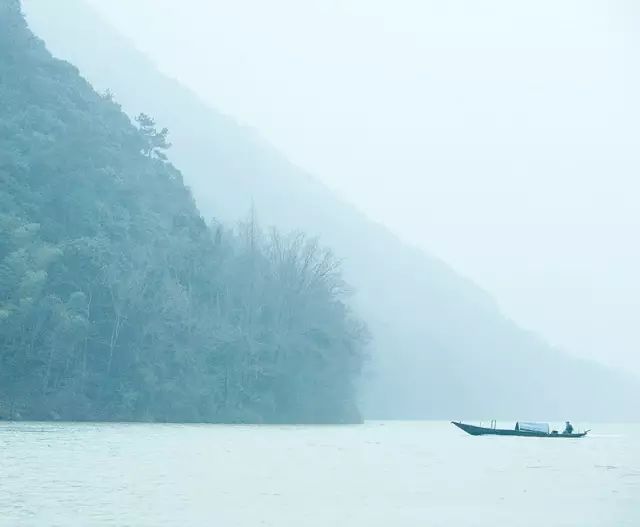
<point x="377" y="474"/>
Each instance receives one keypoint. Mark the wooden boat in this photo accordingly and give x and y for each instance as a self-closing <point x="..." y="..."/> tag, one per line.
<point x="481" y="430"/>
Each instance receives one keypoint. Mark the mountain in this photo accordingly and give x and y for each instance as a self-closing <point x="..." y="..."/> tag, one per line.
<point x="441" y="347"/>
<point x="119" y="302"/>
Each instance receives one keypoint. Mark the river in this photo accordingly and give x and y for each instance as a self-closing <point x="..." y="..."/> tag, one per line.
<point x="376" y="474"/>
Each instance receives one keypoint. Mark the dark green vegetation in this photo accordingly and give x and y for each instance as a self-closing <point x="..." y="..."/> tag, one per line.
<point x="441" y="347"/>
<point x="118" y="302"/>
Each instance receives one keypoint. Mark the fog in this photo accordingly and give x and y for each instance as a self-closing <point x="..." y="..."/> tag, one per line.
<point x="501" y="137"/>
<point x="284" y="227"/>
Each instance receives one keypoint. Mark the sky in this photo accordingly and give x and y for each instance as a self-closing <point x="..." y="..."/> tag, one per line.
<point x="501" y="136"/>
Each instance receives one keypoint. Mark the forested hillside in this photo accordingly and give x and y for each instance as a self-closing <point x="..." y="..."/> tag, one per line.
<point x="441" y="347"/>
<point x="438" y="340"/>
<point x="118" y="301"/>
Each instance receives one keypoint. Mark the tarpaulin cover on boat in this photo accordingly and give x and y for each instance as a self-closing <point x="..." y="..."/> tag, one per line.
<point x="533" y="427"/>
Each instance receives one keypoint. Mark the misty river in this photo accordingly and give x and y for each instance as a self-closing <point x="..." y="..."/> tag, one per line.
<point x="376" y="474"/>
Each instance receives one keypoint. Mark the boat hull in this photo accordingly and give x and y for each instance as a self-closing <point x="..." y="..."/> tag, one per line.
<point x="481" y="431"/>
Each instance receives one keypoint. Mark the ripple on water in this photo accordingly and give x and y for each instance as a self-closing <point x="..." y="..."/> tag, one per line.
<point x="378" y="474"/>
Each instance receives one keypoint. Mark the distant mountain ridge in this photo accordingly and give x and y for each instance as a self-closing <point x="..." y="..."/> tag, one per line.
<point x="441" y="346"/>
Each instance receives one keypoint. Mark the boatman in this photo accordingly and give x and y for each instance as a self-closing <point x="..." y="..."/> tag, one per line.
<point x="568" y="429"/>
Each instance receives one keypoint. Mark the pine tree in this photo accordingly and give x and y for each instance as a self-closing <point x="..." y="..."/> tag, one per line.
<point x="154" y="141"/>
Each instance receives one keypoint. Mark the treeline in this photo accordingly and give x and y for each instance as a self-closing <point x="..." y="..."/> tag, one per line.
<point x="118" y="302"/>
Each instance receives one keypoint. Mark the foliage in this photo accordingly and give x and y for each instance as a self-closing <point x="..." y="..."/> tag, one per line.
<point x="118" y="302"/>
<point x="154" y="141"/>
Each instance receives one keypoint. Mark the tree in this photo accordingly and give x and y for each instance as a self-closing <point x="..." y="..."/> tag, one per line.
<point x="154" y="141"/>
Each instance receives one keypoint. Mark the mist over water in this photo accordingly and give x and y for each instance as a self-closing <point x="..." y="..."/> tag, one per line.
<point x="316" y="294"/>
<point x="377" y="474"/>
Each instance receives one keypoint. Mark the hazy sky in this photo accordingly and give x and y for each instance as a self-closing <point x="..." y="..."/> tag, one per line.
<point x="502" y="136"/>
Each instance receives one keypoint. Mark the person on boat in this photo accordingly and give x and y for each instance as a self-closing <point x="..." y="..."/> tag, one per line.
<point x="517" y="426"/>
<point x="568" y="428"/>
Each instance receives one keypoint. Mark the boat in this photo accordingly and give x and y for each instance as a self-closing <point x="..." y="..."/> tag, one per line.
<point x="521" y="430"/>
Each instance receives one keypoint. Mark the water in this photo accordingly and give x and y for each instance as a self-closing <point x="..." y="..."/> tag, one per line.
<point x="377" y="474"/>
